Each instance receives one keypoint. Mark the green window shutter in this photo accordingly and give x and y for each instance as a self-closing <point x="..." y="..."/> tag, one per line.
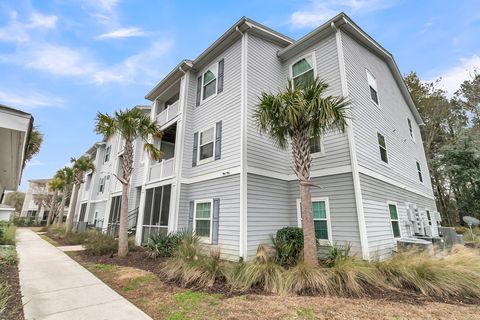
<point x="218" y="140"/>
<point x="215" y="220"/>
<point x="195" y="149"/>
<point x="199" y="91"/>
<point x="220" y="75"/>
<point x="190" y="216"/>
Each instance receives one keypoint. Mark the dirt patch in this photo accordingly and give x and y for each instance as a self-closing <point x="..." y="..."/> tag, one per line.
<point x="9" y="274"/>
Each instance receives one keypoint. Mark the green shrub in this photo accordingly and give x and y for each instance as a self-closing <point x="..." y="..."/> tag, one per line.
<point x="456" y="274"/>
<point x="98" y="243"/>
<point x="337" y="254"/>
<point x="7" y="234"/>
<point x="262" y="272"/>
<point x="75" y="238"/>
<point x="23" y="221"/>
<point x="57" y="230"/>
<point x="8" y="255"/>
<point x="161" y="245"/>
<point x="288" y="244"/>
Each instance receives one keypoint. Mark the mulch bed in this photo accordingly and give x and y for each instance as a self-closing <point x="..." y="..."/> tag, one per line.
<point x="14" y="311"/>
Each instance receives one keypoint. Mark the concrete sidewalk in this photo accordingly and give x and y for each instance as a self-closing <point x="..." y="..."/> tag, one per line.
<point x="56" y="287"/>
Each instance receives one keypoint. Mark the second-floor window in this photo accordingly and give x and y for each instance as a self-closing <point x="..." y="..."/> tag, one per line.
<point x="410" y="128"/>
<point x="419" y="170"/>
<point x="101" y="185"/>
<point x="372" y="84"/>
<point x="382" y="145"/>
<point x="303" y="71"/>
<point x="315" y="145"/>
<point x="206" y="144"/>
<point x="107" y="154"/>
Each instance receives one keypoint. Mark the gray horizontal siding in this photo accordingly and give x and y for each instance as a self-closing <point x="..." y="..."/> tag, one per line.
<point x="390" y="119"/>
<point x="376" y="194"/>
<point x="227" y="189"/>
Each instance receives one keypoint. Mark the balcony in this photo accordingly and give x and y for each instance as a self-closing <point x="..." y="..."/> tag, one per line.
<point x="162" y="170"/>
<point x="168" y="114"/>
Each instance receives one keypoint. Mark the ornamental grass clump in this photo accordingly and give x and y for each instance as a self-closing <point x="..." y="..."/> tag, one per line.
<point x="263" y="272"/>
<point x="302" y="279"/>
<point x="454" y="275"/>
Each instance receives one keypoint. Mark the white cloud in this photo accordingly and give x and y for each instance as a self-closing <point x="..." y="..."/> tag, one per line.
<point x="122" y="33"/>
<point x="103" y="5"/>
<point x="33" y="163"/>
<point x="321" y="10"/>
<point x="453" y="77"/>
<point x="29" y="100"/>
<point x="20" y="32"/>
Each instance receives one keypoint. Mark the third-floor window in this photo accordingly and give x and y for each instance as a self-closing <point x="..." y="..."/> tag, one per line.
<point x="303" y="71"/>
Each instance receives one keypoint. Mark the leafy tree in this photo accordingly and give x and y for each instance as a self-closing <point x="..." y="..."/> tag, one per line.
<point x="65" y="176"/>
<point x="80" y="166"/>
<point x="41" y="200"/>
<point x="15" y="199"/>
<point x="34" y="144"/>
<point x="293" y="117"/>
<point x="129" y="125"/>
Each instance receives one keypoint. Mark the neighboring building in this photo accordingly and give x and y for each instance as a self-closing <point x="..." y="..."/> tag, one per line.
<point x="35" y="187"/>
<point x="15" y="129"/>
<point x="232" y="186"/>
<point x="6" y="212"/>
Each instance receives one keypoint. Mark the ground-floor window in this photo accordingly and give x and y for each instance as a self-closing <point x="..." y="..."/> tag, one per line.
<point x="114" y="216"/>
<point x="156" y="211"/>
<point x="321" y="219"/>
<point x="203" y="218"/>
<point x="83" y="209"/>
<point x="392" y="208"/>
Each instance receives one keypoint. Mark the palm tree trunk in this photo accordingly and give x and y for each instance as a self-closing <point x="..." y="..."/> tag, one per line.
<point x="51" y="212"/>
<point x="302" y="162"/>
<point x="37" y="214"/>
<point x="123" y="229"/>
<point x="72" y="208"/>
<point x="62" y="206"/>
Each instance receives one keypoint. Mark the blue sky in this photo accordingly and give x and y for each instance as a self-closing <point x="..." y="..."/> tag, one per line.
<point x="63" y="60"/>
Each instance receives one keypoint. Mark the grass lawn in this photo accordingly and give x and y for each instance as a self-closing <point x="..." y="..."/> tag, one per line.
<point x="163" y="300"/>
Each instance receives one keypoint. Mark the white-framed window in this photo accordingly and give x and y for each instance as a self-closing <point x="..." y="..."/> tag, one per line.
<point x="382" y="146"/>
<point x="429" y="217"/>
<point x="107" y="154"/>
<point x="372" y="84"/>
<point x="202" y="217"/>
<point x="316" y="146"/>
<point x="419" y="171"/>
<point x="410" y="129"/>
<point x="302" y="71"/>
<point x="321" y="219"/>
<point x="206" y="145"/>
<point x="209" y="81"/>
<point x="393" y="212"/>
<point x="101" y="185"/>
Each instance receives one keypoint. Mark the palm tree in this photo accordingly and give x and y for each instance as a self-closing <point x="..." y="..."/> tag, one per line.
<point x="80" y="166"/>
<point x="55" y="186"/>
<point x="41" y="201"/>
<point x="65" y="175"/>
<point x="33" y="147"/>
<point x="129" y="125"/>
<point x="294" y="116"/>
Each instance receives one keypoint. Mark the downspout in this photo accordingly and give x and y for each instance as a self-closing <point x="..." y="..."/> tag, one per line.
<point x="243" y="246"/>
<point x="362" y="227"/>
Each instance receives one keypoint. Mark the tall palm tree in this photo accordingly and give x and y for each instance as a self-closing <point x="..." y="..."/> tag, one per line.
<point x="294" y="116"/>
<point x="33" y="147"/>
<point x="65" y="175"/>
<point x="80" y="166"/>
<point x="55" y="185"/>
<point x="40" y="200"/>
<point x="129" y="125"/>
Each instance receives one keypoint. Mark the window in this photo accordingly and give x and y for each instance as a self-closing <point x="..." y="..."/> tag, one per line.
<point x="392" y="208"/>
<point x="419" y="170"/>
<point x="316" y="145"/>
<point x="321" y="219"/>
<point x="372" y="84"/>
<point x="429" y="217"/>
<point x="203" y="218"/>
<point x="206" y="144"/>
<point x="303" y="71"/>
<point x="107" y="154"/>
<point x="410" y="128"/>
<point x="382" y="145"/>
<point x="101" y="185"/>
<point x="209" y="82"/>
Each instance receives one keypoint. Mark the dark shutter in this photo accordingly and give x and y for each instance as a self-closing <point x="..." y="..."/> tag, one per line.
<point x="215" y="220"/>
<point x="220" y="76"/>
<point x="218" y="140"/>
<point x="190" y="216"/>
<point x="195" y="149"/>
<point x="199" y="91"/>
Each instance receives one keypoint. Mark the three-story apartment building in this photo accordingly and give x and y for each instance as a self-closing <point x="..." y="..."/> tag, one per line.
<point x="229" y="184"/>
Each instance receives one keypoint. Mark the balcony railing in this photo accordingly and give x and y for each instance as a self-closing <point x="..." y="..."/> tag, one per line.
<point x="162" y="170"/>
<point x="168" y="114"/>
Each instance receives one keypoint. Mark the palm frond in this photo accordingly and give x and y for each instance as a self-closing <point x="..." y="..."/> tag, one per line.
<point x="153" y="151"/>
<point x="105" y="125"/>
<point x="33" y="147"/>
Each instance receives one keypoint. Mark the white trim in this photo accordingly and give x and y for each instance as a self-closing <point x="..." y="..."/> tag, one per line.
<point x="212" y="158"/>
<point x="381" y="177"/>
<point x="293" y="177"/>
<point x="194" y="224"/>
<point x="362" y="226"/>
<point x="314" y="65"/>
<point x="212" y="175"/>
<point x="243" y="245"/>
<point x="393" y="203"/>
<point x="328" y="242"/>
